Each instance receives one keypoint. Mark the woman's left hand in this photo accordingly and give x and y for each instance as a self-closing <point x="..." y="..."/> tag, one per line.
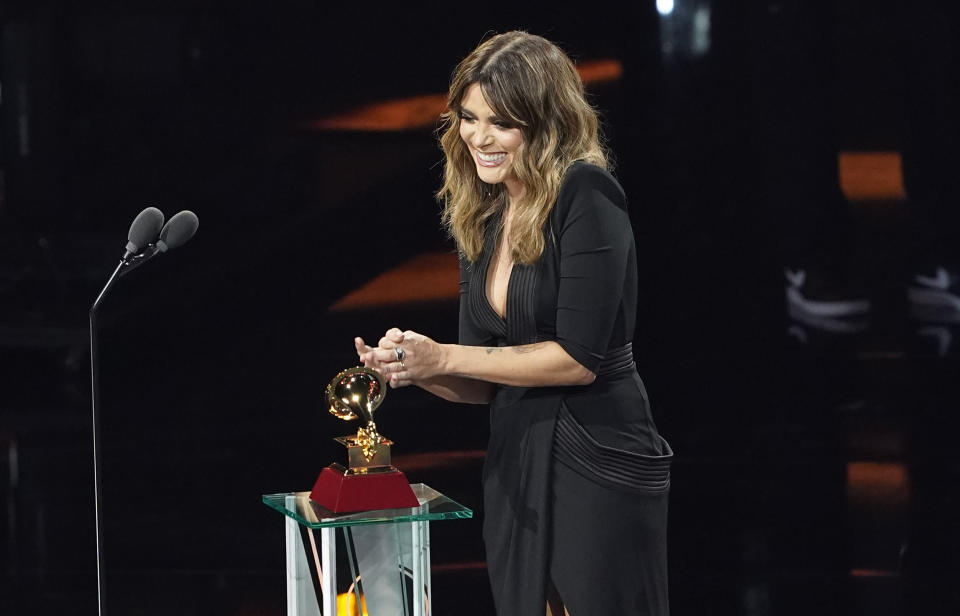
<point x="422" y="357"/>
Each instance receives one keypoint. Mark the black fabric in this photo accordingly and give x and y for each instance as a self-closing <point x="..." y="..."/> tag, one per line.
<point x="618" y="360"/>
<point x="608" y="466"/>
<point x="609" y="547"/>
<point x="582" y="293"/>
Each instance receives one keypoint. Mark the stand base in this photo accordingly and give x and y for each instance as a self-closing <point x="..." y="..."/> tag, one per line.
<point x="341" y="493"/>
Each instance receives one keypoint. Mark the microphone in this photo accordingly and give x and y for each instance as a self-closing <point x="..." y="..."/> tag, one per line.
<point x="178" y="230"/>
<point x="144" y="229"/>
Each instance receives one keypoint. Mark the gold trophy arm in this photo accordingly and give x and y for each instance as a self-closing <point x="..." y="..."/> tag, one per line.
<point x="355" y="393"/>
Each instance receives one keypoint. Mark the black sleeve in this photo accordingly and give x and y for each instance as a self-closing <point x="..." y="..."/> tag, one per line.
<point x="470" y="334"/>
<point x="594" y="239"/>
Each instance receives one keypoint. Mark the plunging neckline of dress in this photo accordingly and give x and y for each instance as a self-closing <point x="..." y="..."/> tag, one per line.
<point x="486" y="278"/>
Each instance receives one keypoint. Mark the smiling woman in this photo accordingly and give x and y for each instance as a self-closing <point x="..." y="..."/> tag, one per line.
<point x="529" y="85"/>
<point x="548" y="299"/>
<point x="493" y="141"/>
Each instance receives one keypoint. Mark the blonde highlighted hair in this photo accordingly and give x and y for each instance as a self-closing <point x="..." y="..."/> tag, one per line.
<point x="531" y="83"/>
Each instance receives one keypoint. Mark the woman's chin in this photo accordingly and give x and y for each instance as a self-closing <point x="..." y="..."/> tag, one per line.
<point x="490" y="175"/>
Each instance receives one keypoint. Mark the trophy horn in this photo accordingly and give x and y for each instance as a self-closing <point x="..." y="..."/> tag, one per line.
<point x="356" y="393"/>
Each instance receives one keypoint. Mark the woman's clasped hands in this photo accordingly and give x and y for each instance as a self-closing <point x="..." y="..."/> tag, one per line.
<point x="403" y="358"/>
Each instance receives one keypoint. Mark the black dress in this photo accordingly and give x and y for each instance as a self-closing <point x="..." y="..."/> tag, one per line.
<point x="576" y="478"/>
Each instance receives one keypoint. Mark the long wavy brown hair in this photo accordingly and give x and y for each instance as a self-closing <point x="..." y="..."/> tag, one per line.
<point x="531" y="83"/>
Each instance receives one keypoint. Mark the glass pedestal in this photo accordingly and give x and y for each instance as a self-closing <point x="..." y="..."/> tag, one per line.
<point x="387" y="555"/>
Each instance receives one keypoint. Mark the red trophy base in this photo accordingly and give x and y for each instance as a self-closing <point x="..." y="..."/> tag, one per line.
<point x="343" y="493"/>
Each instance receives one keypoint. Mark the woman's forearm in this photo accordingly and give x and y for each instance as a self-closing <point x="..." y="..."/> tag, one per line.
<point x="458" y="388"/>
<point x="540" y="364"/>
<point x="466" y="373"/>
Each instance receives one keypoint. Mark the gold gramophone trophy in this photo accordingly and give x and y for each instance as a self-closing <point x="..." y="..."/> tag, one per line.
<point x="369" y="482"/>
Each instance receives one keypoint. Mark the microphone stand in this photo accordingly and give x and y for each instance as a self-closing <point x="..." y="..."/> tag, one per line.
<point x="126" y="265"/>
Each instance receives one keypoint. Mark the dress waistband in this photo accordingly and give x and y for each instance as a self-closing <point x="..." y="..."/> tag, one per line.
<point x="619" y="359"/>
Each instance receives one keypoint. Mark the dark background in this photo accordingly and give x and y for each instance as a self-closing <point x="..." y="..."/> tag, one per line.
<point x="815" y="470"/>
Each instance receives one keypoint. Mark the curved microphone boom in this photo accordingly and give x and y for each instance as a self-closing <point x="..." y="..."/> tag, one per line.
<point x="143" y="244"/>
<point x="144" y="229"/>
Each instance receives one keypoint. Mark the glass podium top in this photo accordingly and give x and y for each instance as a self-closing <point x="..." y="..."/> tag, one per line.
<point x="433" y="506"/>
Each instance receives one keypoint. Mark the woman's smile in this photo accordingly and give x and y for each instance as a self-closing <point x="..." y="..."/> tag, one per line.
<point x="490" y="159"/>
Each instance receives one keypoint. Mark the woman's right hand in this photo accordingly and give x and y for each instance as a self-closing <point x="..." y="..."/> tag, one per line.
<point x="368" y="358"/>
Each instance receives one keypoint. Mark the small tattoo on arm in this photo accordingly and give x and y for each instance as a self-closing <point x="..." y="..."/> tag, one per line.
<point x="492" y="350"/>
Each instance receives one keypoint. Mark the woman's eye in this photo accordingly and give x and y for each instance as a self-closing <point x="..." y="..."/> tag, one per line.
<point x="465" y="118"/>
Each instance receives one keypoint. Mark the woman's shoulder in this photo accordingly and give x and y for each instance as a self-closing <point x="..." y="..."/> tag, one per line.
<point x="583" y="172"/>
<point x="588" y="185"/>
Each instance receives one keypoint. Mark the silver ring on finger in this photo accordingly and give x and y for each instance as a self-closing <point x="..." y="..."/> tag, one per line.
<point x="400" y="354"/>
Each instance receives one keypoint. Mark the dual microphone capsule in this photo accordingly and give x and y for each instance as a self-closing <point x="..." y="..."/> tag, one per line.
<point x="148" y="230"/>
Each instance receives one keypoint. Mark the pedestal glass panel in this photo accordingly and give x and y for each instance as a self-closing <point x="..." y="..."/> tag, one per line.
<point x="385" y="565"/>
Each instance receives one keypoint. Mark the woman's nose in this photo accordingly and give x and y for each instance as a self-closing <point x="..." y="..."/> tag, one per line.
<point x="481" y="136"/>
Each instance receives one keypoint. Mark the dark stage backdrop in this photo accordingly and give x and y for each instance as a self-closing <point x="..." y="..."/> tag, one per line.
<point x="214" y="356"/>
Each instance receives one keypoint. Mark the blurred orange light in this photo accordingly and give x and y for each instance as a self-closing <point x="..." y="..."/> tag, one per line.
<point x="873" y="573"/>
<point x="871" y="176"/>
<point x="418" y="112"/>
<point x="396" y="115"/>
<point x="600" y="71"/>
<point x="437" y="459"/>
<point x="878" y="483"/>
<point x="474" y="565"/>
<point x="427" y="277"/>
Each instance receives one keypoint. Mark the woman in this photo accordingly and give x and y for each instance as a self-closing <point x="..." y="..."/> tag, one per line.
<point x="576" y="476"/>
